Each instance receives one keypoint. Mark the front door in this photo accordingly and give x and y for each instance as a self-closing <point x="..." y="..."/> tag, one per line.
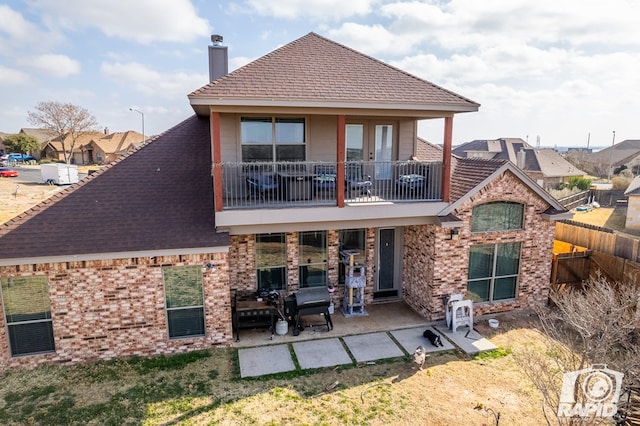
<point x="387" y="265"/>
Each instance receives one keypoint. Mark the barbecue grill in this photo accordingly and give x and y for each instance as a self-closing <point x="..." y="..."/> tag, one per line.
<point x="309" y="301"/>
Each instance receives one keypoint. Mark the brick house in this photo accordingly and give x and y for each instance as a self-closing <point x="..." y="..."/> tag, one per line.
<point x="313" y="150"/>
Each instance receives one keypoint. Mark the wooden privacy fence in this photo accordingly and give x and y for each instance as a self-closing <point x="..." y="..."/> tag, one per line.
<point x="598" y="239"/>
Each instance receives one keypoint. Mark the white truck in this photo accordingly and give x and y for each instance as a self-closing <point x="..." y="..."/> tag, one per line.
<point x="59" y="174"/>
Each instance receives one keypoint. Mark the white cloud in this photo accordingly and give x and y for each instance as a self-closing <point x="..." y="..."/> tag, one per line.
<point x="372" y="39"/>
<point x="11" y="77"/>
<point x="52" y="65"/>
<point x="16" y="32"/>
<point x="322" y="10"/>
<point x="143" y="21"/>
<point x="175" y="84"/>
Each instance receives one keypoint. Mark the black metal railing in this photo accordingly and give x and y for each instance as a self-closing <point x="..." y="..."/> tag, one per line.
<point x="314" y="183"/>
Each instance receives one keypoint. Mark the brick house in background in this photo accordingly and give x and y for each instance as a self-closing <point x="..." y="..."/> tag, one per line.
<point x="313" y="150"/>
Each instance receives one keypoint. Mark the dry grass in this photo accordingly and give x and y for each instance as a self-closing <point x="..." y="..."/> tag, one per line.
<point x="204" y="388"/>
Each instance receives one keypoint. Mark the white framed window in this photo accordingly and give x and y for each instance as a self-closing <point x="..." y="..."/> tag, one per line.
<point x="497" y="216"/>
<point x="27" y="313"/>
<point x="184" y="301"/>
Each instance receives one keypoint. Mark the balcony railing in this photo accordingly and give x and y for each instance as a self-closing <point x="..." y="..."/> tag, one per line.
<point x="303" y="184"/>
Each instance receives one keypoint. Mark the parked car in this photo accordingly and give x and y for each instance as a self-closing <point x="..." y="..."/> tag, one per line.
<point x="17" y="157"/>
<point x="7" y="172"/>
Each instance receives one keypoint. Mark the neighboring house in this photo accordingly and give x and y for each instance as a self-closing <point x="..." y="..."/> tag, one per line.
<point x="633" y="207"/>
<point x="313" y="150"/>
<point x="108" y="148"/>
<point x="55" y="151"/>
<point x="3" y="148"/>
<point x="625" y="153"/>
<point x="43" y="136"/>
<point x="548" y="168"/>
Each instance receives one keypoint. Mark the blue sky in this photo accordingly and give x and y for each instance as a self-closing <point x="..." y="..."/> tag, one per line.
<point x="561" y="71"/>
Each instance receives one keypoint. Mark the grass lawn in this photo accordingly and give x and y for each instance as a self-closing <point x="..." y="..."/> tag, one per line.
<point x="205" y="388"/>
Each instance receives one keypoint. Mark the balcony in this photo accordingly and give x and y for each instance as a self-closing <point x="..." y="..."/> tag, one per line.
<point x="312" y="184"/>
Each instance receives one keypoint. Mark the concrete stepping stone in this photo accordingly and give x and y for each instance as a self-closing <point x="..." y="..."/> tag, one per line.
<point x="373" y="346"/>
<point x="265" y="360"/>
<point x="470" y="341"/>
<point x="411" y="338"/>
<point x="321" y="353"/>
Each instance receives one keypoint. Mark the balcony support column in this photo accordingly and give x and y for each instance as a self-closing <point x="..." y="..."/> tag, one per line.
<point x="340" y="156"/>
<point x="446" y="158"/>
<point x="217" y="161"/>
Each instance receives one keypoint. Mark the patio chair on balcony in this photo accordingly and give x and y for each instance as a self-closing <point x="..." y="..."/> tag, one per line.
<point x="411" y="180"/>
<point x="355" y="181"/>
<point x="324" y="183"/>
<point x="262" y="186"/>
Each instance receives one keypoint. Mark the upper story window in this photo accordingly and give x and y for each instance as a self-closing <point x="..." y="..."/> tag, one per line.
<point x="497" y="216"/>
<point x="272" y="138"/>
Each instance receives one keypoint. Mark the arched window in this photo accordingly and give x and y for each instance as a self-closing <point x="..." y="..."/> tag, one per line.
<point x="497" y="216"/>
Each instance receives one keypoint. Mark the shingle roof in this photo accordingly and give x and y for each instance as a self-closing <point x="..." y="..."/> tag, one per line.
<point x="316" y="69"/>
<point x="546" y="161"/>
<point x="82" y="139"/>
<point x="623" y="153"/>
<point x="426" y="151"/>
<point x="467" y="173"/>
<point x="160" y="197"/>
<point x="118" y="141"/>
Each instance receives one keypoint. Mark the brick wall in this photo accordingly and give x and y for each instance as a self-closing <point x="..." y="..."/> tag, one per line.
<point x="114" y="308"/>
<point x="436" y="266"/>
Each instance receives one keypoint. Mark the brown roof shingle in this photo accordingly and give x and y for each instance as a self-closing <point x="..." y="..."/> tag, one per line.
<point x="316" y="69"/>
<point x="160" y="197"/>
<point x="470" y="172"/>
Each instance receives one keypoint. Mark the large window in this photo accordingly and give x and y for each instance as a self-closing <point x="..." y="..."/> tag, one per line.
<point x="27" y="312"/>
<point x="497" y="216"/>
<point x="184" y="300"/>
<point x="493" y="271"/>
<point x="271" y="261"/>
<point x="351" y="239"/>
<point x="312" y="251"/>
<point x="272" y="139"/>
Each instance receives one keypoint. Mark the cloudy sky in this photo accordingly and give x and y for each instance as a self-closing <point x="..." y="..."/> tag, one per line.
<point x="562" y="72"/>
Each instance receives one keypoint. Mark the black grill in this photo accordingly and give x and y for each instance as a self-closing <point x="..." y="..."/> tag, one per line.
<point x="309" y="301"/>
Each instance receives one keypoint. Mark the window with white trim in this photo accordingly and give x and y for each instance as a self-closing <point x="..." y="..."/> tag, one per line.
<point x="493" y="272"/>
<point x="27" y="313"/>
<point x="184" y="298"/>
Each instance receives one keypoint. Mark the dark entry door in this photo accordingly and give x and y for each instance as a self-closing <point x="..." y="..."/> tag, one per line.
<point x="385" y="283"/>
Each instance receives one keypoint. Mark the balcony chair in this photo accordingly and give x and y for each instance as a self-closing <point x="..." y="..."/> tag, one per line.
<point x="411" y="180"/>
<point x="355" y="181"/>
<point x="262" y="186"/>
<point x="325" y="180"/>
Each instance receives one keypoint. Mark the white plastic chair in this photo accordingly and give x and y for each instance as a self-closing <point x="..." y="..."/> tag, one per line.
<point x="459" y="312"/>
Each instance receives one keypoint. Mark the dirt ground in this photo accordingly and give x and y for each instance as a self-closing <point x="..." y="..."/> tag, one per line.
<point x="17" y="197"/>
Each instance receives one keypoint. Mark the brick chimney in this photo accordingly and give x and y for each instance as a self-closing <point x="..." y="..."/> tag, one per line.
<point x="218" y="59"/>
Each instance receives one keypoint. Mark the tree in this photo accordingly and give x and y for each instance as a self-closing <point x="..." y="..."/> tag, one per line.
<point x="598" y="323"/>
<point x="65" y="120"/>
<point x="21" y="143"/>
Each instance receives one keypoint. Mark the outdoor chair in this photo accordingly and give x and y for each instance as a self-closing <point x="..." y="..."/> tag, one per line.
<point x="262" y="186"/>
<point x="355" y="181"/>
<point x="411" y="180"/>
<point x="324" y="183"/>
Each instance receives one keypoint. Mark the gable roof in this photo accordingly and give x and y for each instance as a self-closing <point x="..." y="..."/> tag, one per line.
<point x="471" y="175"/>
<point x="82" y="139"/>
<point x="158" y="199"/>
<point x="42" y="135"/>
<point x="634" y="187"/>
<point x="314" y="71"/>
<point x="545" y="161"/>
<point x="118" y="141"/>
<point x="618" y="154"/>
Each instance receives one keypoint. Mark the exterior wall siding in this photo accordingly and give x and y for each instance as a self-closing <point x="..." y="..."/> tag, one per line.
<point x="116" y="308"/>
<point x="436" y="267"/>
